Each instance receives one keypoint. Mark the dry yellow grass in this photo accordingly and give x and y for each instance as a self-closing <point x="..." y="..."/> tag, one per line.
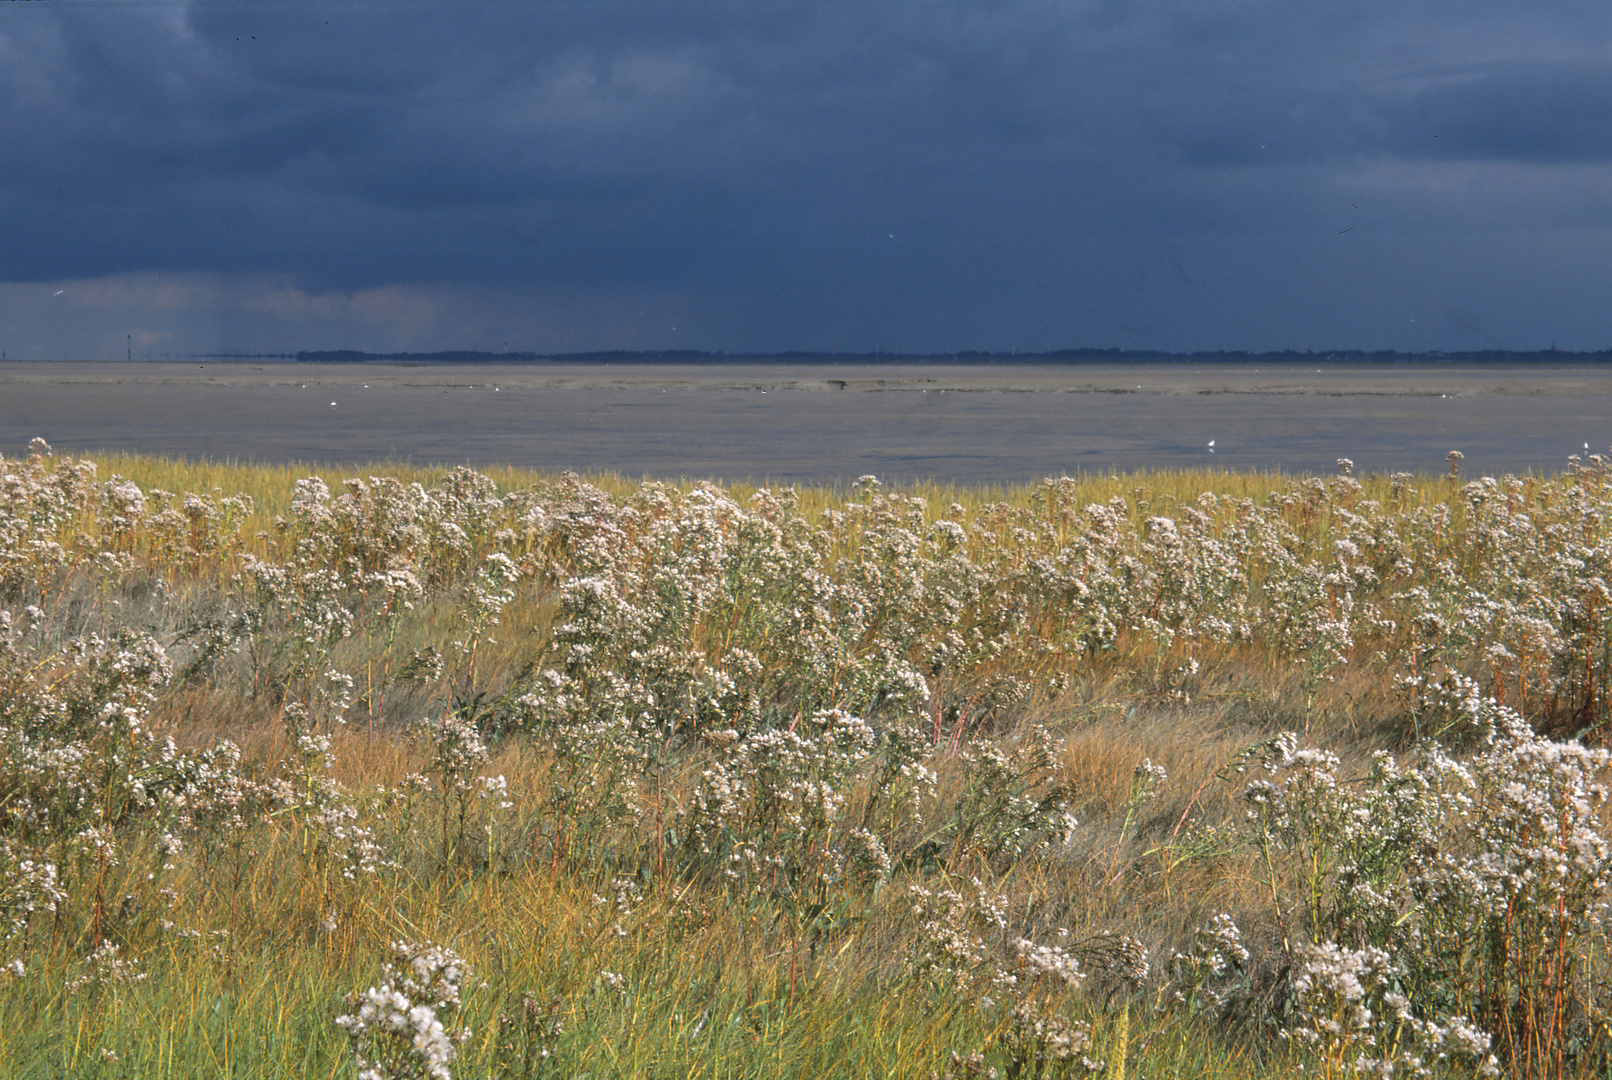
<point x="624" y="777"/>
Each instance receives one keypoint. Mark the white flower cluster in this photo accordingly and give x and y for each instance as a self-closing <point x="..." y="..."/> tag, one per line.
<point x="106" y="966"/>
<point x="1204" y="975"/>
<point x="1049" y="961"/>
<point x="386" y="1016"/>
<point x="767" y="810"/>
<point x="1344" y="1011"/>
<point x="457" y="752"/>
<point x="956" y="930"/>
<point x="1037" y="1040"/>
<point x="395" y="1030"/>
<point x="1403" y="869"/>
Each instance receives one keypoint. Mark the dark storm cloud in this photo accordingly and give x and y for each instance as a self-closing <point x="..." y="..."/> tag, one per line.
<point x="1534" y="113"/>
<point x="864" y="170"/>
<point x="1540" y="113"/>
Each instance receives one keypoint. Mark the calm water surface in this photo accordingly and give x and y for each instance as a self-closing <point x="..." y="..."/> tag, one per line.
<point x="821" y="422"/>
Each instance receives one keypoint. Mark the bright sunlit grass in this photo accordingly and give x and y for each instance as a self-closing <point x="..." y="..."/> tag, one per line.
<point x="429" y="774"/>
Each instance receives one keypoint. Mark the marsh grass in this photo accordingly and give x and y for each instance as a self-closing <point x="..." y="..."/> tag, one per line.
<point x="1189" y="774"/>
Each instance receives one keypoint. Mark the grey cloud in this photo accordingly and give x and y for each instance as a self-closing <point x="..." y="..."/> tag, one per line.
<point x="1534" y="112"/>
<point x="1537" y="112"/>
<point x="791" y="158"/>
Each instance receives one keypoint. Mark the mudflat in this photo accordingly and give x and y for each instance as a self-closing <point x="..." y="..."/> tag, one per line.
<point x="822" y="422"/>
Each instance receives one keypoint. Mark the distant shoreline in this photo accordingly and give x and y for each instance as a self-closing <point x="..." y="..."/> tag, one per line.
<point x="1054" y="357"/>
<point x="1061" y="356"/>
<point x="1564" y="375"/>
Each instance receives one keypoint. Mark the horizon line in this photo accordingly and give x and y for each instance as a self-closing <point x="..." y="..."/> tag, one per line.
<point x="885" y="356"/>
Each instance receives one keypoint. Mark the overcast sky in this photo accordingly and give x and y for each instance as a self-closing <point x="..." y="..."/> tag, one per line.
<point x="848" y="175"/>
